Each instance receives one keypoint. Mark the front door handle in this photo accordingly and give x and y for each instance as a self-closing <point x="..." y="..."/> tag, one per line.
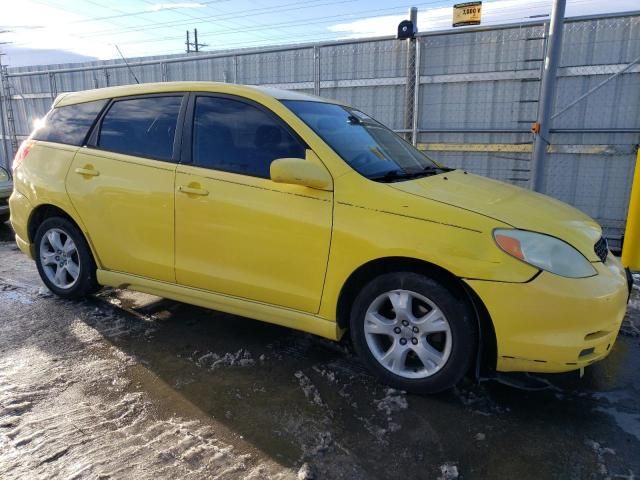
<point x="89" y="172"/>
<point x="193" y="190"/>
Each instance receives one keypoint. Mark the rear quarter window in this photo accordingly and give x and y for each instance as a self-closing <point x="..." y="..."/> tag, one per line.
<point x="69" y="124"/>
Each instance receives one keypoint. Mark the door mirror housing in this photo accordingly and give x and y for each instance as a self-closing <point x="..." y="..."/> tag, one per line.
<point x="298" y="171"/>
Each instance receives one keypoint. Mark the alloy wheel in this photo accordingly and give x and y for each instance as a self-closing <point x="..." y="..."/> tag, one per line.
<point x="408" y="334"/>
<point x="60" y="258"/>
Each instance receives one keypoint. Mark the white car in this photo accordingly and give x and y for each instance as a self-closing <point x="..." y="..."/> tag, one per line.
<point x="6" y="187"/>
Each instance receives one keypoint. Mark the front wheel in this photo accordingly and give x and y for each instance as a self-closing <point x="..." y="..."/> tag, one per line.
<point x="414" y="332"/>
<point x="64" y="260"/>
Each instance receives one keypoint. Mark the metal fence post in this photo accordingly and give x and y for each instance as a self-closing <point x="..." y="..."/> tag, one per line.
<point x="316" y="70"/>
<point x="409" y="99"/>
<point x="547" y="94"/>
<point x="6" y="93"/>
<point x="52" y="86"/>
<point x="416" y="97"/>
<point x="3" y="131"/>
<point x="106" y="76"/>
<point x="235" y="69"/>
<point x="165" y="76"/>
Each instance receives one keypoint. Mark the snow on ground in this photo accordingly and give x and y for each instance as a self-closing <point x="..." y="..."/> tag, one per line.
<point x="211" y="360"/>
<point x="68" y="410"/>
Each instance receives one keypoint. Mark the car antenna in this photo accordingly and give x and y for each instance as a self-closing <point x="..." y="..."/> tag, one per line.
<point x="128" y="66"/>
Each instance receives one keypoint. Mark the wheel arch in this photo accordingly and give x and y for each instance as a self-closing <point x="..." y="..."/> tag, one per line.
<point x="485" y="363"/>
<point x="48" y="210"/>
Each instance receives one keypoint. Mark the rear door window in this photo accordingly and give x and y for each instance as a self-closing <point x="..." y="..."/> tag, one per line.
<point x="143" y="127"/>
<point x="69" y="124"/>
<point x="239" y="137"/>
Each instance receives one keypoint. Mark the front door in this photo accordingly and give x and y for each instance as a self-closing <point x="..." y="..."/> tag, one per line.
<point x="237" y="232"/>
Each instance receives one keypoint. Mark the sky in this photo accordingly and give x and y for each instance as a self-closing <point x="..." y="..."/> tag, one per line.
<point x="61" y="31"/>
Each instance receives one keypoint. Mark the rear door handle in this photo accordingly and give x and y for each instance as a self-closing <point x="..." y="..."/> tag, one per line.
<point x="90" y="172"/>
<point x="193" y="191"/>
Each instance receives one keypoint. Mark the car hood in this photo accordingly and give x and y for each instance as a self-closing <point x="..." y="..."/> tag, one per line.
<point x="509" y="204"/>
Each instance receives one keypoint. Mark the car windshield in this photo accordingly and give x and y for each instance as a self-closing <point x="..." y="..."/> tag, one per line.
<point x="365" y="144"/>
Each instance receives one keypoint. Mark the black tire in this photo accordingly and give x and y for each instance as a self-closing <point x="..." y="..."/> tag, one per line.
<point x="86" y="282"/>
<point x="453" y="304"/>
<point x="4" y="218"/>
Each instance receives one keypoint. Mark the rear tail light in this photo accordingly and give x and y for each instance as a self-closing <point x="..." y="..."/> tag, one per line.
<point x="22" y="153"/>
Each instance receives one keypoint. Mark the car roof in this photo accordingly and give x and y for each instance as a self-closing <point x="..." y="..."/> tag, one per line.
<point x="249" y="91"/>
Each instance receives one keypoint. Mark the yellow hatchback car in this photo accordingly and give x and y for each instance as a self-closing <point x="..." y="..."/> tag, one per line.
<point x="303" y="212"/>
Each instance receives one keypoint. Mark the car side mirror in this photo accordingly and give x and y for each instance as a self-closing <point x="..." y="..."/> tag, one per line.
<point x="298" y="171"/>
<point x="4" y="174"/>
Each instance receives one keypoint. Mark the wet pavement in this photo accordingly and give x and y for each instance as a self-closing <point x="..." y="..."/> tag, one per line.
<point x="126" y="385"/>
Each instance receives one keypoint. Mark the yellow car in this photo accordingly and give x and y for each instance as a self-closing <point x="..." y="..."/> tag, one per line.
<point x="303" y="212"/>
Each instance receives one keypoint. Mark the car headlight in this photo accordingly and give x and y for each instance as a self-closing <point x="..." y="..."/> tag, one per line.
<point x="544" y="252"/>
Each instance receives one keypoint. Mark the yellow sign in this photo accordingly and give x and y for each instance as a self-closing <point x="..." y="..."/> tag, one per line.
<point x="468" y="13"/>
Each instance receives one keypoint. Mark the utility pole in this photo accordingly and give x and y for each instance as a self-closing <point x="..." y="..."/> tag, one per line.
<point x="196" y="46"/>
<point x="542" y="126"/>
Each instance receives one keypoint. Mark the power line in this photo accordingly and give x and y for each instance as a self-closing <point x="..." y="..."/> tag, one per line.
<point x="246" y="13"/>
<point x="57" y="7"/>
<point x="295" y="23"/>
<point x="207" y="5"/>
<point x="122" y="13"/>
<point x="265" y="26"/>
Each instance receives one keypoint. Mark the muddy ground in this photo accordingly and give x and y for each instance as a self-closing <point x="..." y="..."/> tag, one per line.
<point x="126" y="385"/>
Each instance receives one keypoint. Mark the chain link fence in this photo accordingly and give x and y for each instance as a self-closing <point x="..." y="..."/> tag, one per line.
<point x="466" y="97"/>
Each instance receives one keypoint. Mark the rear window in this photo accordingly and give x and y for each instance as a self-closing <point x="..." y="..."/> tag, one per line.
<point x="143" y="127"/>
<point x="70" y="124"/>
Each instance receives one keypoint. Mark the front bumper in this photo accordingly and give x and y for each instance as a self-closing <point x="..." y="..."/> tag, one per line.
<point x="556" y="324"/>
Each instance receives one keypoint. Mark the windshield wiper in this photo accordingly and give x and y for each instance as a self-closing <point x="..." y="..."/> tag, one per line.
<point x="435" y="168"/>
<point x="393" y="175"/>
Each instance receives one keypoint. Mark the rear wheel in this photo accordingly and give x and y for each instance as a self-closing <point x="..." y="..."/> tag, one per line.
<point x="64" y="260"/>
<point x="414" y="332"/>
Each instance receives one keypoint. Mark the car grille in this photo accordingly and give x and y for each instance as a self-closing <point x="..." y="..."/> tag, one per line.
<point x="602" y="249"/>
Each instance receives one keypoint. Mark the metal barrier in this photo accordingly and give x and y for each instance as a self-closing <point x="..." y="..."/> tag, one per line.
<point x="468" y="97"/>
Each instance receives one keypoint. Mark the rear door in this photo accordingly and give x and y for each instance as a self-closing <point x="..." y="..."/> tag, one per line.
<point x="237" y="232"/>
<point x="122" y="184"/>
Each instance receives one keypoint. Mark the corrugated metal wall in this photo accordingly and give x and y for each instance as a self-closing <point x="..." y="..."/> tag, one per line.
<point x="476" y="97"/>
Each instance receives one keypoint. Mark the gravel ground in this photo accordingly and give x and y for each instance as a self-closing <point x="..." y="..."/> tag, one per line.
<point x="126" y="385"/>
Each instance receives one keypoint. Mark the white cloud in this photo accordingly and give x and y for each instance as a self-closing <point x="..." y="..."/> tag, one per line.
<point x="39" y="26"/>
<point x="173" y="6"/>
